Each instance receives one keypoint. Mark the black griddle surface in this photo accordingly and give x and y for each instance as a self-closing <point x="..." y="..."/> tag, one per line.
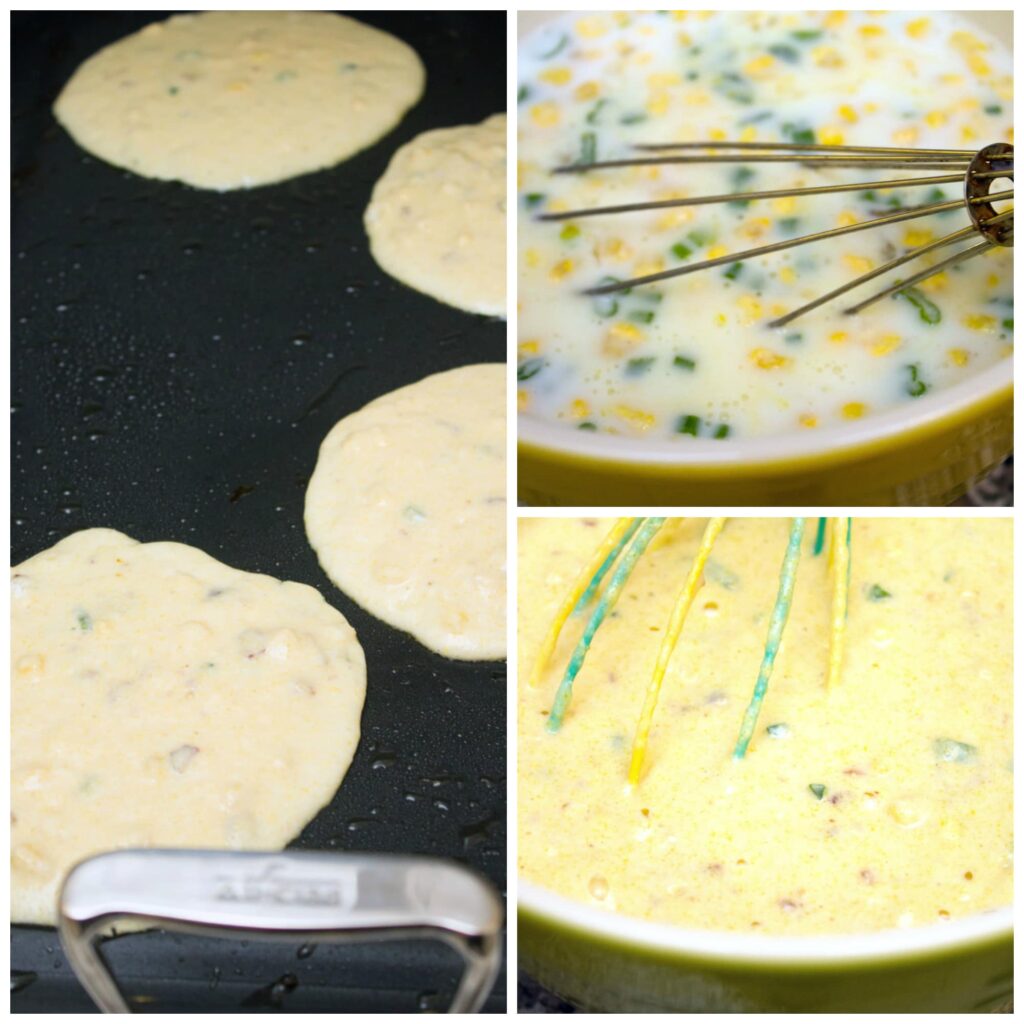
<point x="177" y="357"/>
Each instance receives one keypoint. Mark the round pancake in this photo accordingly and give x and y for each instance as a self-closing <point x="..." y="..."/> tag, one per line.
<point x="406" y="510"/>
<point x="161" y="698"/>
<point x="232" y="99"/>
<point x="436" y="220"/>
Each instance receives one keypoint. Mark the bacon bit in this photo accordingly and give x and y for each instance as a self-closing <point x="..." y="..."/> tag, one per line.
<point x="867" y="875"/>
<point x="790" y="906"/>
<point x="854" y="771"/>
<point x="714" y="869"/>
<point x="835" y="798"/>
<point x="590" y="522"/>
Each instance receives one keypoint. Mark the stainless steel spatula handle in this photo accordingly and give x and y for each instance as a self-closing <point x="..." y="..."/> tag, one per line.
<point x="296" y="895"/>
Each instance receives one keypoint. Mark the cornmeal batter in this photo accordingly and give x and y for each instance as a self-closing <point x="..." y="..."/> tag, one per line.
<point x="234" y="99"/>
<point x="885" y="803"/>
<point x="693" y="357"/>
<point x="162" y="698"/>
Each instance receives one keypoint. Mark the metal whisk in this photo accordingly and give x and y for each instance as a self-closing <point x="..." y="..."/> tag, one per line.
<point x="978" y="171"/>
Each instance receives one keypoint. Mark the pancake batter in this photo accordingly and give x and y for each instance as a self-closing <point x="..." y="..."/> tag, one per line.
<point x="886" y="802"/>
<point x="406" y="510"/>
<point x="233" y="99"/>
<point x="437" y="218"/>
<point x="161" y="698"/>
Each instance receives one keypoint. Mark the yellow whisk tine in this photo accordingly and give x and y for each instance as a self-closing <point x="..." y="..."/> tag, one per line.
<point x="668" y="645"/>
<point x="839" y="569"/>
<point x="579" y="587"/>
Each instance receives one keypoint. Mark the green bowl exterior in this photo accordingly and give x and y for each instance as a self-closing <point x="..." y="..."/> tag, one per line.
<point x="614" y="975"/>
<point x="931" y="465"/>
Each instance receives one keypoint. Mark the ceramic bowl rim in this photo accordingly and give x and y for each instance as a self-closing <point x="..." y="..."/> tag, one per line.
<point x="792" y="951"/>
<point x="898" y="426"/>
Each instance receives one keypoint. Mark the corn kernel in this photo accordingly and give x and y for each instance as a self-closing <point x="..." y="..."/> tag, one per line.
<point x="529" y="348"/>
<point x="979" y="321"/>
<point x="807" y="420"/>
<point x="853" y="410"/>
<point x="674" y="218"/>
<point x="635" y="417"/>
<point x="847" y="113"/>
<point x="717" y="134"/>
<point x="721" y="319"/>
<point x="870" y="108"/>
<point x="858" y="264"/>
<point x="522" y="399"/>
<point x="838" y="337"/>
<point x="556" y="76"/>
<point x="831" y="137"/>
<point x="918" y="28"/>
<point x="827" y="57"/>
<point x="967" y="134"/>
<point x="787" y="275"/>
<point x="591" y="28"/>
<point x="778" y="309"/>
<point x="935" y="283"/>
<point x="846" y="218"/>
<point x="586" y="91"/>
<point x="952" y="79"/>
<point x="759" y="65"/>
<point x="978" y="64"/>
<point x="749" y="134"/>
<point x="651" y="266"/>
<point x="561" y="269"/>
<point x="620" y="339"/>
<point x="917" y="236"/>
<point x="717" y="251"/>
<point x="750" y="307"/>
<point x="616" y="249"/>
<point x="886" y="344"/>
<point x="766" y="359"/>
<point x="905" y="136"/>
<point x="579" y="408"/>
<point x="867" y="31"/>
<point x="966" y="42"/>
<point x="992" y="280"/>
<point x="787" y="204"/>
<point x="835" y="19"/>
<point x="756" y="227"/>
<point x="663" y="79"/>
<point x="697" y="98"/>
<point x="532" y="257"/>
<point x="936" y="118"/>
<point x="545" y="115"/>
<point x="658" y="104"/>
<point x="557" y="206"/>
<point x="959" y="356"/>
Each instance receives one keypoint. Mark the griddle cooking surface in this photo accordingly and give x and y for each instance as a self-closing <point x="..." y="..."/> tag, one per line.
<point x="177" y="358"/>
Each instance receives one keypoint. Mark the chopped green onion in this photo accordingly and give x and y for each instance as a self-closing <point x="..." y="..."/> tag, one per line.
<point x="954" y="751"/>
<point x="569" y="232"/>
<point x="806" y="35"/>
<point x="530" y="368"/>
<point x="870" y="196"/>
<point x="642" y="316"/>
<point x="799" y="134"/>
<point x="718" y="573"/>
<point x="761" y="115"/>
<point x="779" y="731"/>
<point x="700" y="238"/>
<point x="993" y="108"/>
<point x="173" y="90"/>
<point x="734" y="87"/>
<point x="817" y="789"/>
<point x="534" y="199"/>
<point x="789" y="225"/>
<point x="685" y="363"/>
<point x="638" y="367"/>
<point x="794" y="337"/>
<point x="784" y="52"/>
<point x="595" y="110"/>
<point x="524" y="93"/>
<point x="649" y="295"/>
<point x="733" y="272"/>
<point x="84" y="620"/>
<point x="688" y="425"/>
<point x="721" y="432"/>
<point x="559" y="47"/>
<point x="1008" y="324"/>
<point x="284" y="76"/>
<point x="915" y="387"/>
<point x="877" y="593"/>
<point x="926" y="309"/>
<point x="608" y="305"/>
<point x="741" y="175"/>
<point x="414" y="513"/>
<point x="681" y="252"/>
<point x="636" y="118"/>
<point x="588" y="148"/>
<point x="586" y="425"/>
